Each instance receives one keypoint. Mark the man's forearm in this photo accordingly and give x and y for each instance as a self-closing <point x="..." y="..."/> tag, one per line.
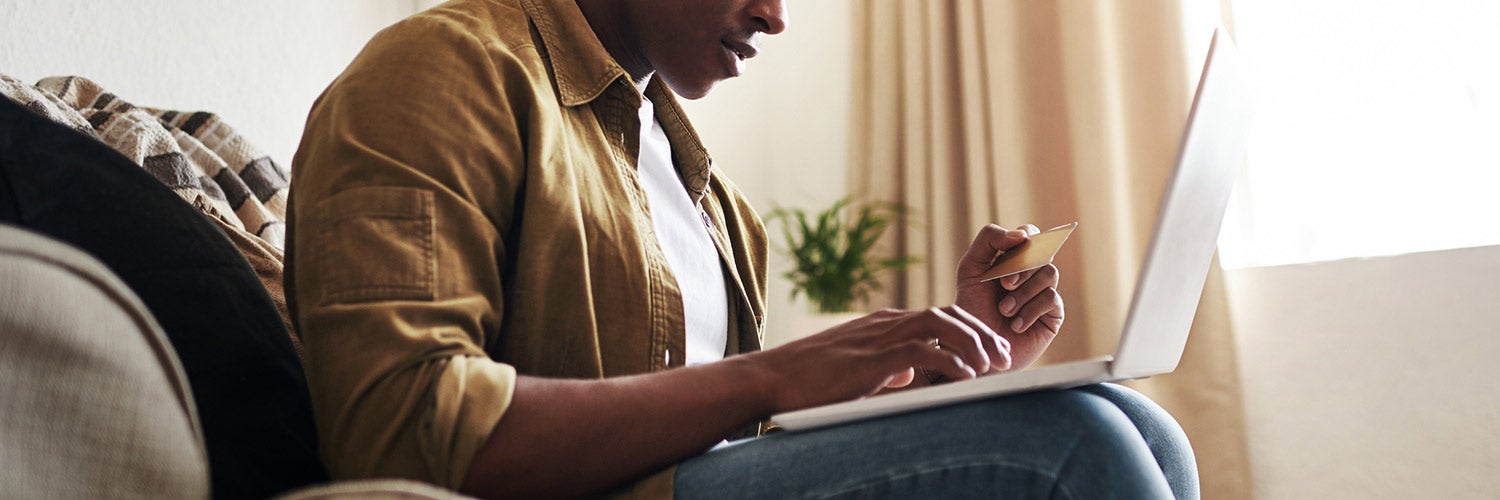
<point x="563" y="438"/>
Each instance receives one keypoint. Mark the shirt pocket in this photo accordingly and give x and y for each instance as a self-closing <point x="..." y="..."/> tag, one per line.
<point x="376" y="244"/>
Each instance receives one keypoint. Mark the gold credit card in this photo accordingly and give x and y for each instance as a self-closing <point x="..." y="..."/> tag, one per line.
<point x="1033" y="253"/>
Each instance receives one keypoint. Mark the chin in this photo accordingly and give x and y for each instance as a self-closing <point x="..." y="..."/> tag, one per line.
<point x="690" y="89"/>
<point x="694" y="94"/>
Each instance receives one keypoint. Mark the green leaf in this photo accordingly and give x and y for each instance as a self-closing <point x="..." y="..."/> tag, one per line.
<point x="831" y="252"/>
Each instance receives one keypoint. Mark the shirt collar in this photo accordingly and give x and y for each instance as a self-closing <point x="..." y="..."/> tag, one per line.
<point x="694" y="165"/>
<point x="586" y="69"/>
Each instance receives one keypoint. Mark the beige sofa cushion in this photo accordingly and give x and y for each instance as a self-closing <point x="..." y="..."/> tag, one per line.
<point x="95" y="404"/>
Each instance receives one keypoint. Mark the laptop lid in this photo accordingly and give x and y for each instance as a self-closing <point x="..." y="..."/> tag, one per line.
<point x="1188" y="220"/>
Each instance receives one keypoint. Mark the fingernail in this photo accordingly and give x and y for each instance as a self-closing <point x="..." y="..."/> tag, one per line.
<point x="1018" y="325"/>
<point x="1007" y="305"/>
<point x="1010" y="281"/>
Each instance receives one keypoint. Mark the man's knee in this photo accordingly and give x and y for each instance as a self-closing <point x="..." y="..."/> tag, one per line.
<point x="1094" y="417"/>
<point x="1154" y="423"/>
<point x="1130" y="401"/>
<point x="1068" y="421"/>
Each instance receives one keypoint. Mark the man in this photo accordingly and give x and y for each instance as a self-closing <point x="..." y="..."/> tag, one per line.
<point x="516" y="273"/>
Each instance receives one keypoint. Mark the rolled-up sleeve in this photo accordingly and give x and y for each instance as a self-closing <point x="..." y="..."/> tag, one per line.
<point x="399" y="200"/>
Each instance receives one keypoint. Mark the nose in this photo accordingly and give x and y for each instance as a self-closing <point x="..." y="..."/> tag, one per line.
<point x="769" y="15"/>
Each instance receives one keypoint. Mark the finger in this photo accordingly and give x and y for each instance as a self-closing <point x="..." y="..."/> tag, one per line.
<point x="1014" y="280"/>
<point x="999" y="239"/>
<point x="1045" y="302"/>
<point x="1045" y="277"/>
<point x="955" y="335"/>
<point x="919" y="353"/>
<point x="996" y="346"/>
<point x="1054" y="320"/>
<point x="991" y="240"/>
<point x="902" y="378"/>
<point x="979" y="325"/>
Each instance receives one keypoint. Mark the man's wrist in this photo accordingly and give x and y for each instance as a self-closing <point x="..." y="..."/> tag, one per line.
<point x="761" y="384"/>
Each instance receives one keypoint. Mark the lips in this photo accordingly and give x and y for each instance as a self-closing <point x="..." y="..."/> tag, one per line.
<point x="741" y="50"/>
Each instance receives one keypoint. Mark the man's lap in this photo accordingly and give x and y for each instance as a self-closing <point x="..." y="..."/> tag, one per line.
<point x="1092" y="442"/>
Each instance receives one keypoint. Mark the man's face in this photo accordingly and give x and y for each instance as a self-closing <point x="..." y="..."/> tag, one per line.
<point x="694" y="44"/>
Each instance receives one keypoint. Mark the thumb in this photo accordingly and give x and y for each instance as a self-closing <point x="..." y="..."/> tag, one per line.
<point x="992" y="240"/>
<point x="902" y="378"/>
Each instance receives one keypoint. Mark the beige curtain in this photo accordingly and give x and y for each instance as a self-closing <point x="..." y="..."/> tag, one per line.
<point x="1044" y="112"/>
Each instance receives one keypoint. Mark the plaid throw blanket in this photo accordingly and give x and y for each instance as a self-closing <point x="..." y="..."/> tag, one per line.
<point x="44" y="103"/>
<point x="194" y="153"/>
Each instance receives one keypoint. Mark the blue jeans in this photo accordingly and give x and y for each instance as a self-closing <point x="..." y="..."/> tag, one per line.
<point x="1095" y="442"/>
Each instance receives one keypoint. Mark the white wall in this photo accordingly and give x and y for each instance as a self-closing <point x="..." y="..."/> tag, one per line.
<point x="259" y="64"/>
<point x="1373" y="378"/>
<point x="781" y="131"/>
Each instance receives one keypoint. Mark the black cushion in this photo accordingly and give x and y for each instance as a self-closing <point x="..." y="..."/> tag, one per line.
<point x="246" y="379"/>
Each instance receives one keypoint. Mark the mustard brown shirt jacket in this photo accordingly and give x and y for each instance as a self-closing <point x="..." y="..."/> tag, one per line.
<point x="466" y="207"/>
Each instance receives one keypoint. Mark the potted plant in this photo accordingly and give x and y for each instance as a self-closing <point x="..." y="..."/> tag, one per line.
<point x="832" y="253"/>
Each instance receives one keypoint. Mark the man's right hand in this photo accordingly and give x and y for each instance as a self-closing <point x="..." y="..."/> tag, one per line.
<point x="864" y="356"/>
<point x="563" y="438"/>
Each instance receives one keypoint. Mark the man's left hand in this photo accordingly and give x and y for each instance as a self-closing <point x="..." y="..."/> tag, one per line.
<point x="1024" y="308"/>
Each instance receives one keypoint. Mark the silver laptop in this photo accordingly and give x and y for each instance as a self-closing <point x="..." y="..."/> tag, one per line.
<point x="1171" y="277"/>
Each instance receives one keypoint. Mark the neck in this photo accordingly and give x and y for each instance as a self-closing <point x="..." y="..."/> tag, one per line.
<point x="610" y="20"/>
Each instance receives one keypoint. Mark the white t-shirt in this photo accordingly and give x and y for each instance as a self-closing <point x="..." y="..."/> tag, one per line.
<point x="682" y="232"/>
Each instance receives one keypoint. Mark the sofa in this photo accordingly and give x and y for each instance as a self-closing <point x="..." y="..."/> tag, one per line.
<point x="96" y="402"/>
<point x="144" y="356"/>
